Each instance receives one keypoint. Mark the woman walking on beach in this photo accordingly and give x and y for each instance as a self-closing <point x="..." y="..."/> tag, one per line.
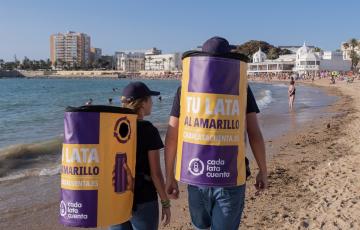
<point x="291" y="93"/>
<point x="149" y="181"/>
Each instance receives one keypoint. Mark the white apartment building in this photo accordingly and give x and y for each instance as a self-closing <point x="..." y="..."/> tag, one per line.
<point x="150" y="60"/>
<point x="130" y="61"/>
<point x="163" y="62"/>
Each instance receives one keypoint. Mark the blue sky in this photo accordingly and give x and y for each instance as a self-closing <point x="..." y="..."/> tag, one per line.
<point x="25" y="26"/>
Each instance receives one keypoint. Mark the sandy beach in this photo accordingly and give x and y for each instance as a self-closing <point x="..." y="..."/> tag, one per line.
<point x="314" y="178"/>
<point x="313" y="175"/>
<point x="97" y="98"/>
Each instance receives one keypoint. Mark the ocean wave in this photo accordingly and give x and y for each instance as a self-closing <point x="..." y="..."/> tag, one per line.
<point x="50" y="171"/>
<point x="32" y="172"/>
<point x="281" y="85"/>
<point x="23" y="160"/>
<point x="265" y="100"/>
<point x="20" y="175"/>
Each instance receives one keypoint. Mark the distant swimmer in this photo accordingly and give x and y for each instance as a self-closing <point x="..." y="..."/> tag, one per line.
<point x="89" y="102"/>
<point x="110" y="101"/>
<point x="160" y="98"/>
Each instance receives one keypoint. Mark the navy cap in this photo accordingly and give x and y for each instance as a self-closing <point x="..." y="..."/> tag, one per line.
<point x="136" y="90"/>
<point x="217" y="45"/>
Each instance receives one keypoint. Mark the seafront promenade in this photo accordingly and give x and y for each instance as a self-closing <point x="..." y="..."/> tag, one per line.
<point x="89" y="74"/>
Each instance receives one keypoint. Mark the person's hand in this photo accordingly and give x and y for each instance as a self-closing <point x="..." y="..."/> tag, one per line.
<point x="261" y="182"/>
<point x="166" y="215"/>
<point x="172" y="189"/>
<point x="129" y="178"/>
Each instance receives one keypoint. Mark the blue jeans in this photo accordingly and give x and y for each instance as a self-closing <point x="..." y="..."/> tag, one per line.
<point x="215" y="207"/>
<point x="146" y="217"/>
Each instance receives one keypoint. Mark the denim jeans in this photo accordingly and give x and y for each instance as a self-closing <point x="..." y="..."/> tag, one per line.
<point x="146" y="217"/>
<point x="216" y="207"/>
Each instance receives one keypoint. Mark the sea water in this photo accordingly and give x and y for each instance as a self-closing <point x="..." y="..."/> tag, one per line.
<point x="32" y="113"/>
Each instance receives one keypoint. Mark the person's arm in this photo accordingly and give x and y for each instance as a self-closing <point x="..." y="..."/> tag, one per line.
<point x="170" y="157"/>
<point x="290" y="90"/>
<point x="258" y="148"/>
<point x="159" y="183"/>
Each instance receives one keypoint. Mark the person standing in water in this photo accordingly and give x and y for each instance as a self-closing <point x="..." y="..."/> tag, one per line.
<point x="291" y="93"/>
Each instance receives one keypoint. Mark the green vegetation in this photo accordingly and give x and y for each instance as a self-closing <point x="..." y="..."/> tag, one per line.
<point x="252" y="46"/>
<point x="354" y="56"/>
<point x="26" y="64"/>
<point x="104" y="63"/>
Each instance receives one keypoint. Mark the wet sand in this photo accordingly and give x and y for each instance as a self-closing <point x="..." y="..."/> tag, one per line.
<point x="314" y="177"/>
<point x="313" y="174"/>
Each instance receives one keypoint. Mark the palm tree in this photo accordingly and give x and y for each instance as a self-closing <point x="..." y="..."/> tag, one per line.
<point x="122" y="64"/>
<point x="158" y="65"/>
<point x="163" y="63"/>
<point x="353" y="43"/>
<point x="73" y="64"/>
<point x="60" y="63"/>
<point x="355" y="58"/>
<point x="42" y="64"/>
<point x="130" y="65"/>
<point x="134" y="65"/>
<point x="170" y="59"/>
<point x="150" y="59"/>
<point x="48" y="63"/>
<point x="142" y="64"/>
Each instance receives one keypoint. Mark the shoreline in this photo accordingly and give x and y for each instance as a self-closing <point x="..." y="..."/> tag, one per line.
<point x="292" y="158"/>
<point x="90" y="74"/>
<point x="296" y="159"/>
<point x="307" y="173"/>
<point x="312" y="177"/>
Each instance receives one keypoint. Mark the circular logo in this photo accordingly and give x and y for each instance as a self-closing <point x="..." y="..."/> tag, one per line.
<point x="122" y="130"/>
<point x="196" y="167"/>
<point x="63" y="208"/>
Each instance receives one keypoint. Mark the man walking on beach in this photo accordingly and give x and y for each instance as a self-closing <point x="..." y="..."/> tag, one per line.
<point x="216" y="207"/>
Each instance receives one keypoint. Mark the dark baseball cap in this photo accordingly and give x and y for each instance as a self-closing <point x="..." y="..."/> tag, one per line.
<point x="217" y="45"/>
<point x="136" y="90"/>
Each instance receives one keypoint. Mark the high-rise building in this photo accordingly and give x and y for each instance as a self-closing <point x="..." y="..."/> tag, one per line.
<point x="72" y="49"/>
<point x="95" y="54"/>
